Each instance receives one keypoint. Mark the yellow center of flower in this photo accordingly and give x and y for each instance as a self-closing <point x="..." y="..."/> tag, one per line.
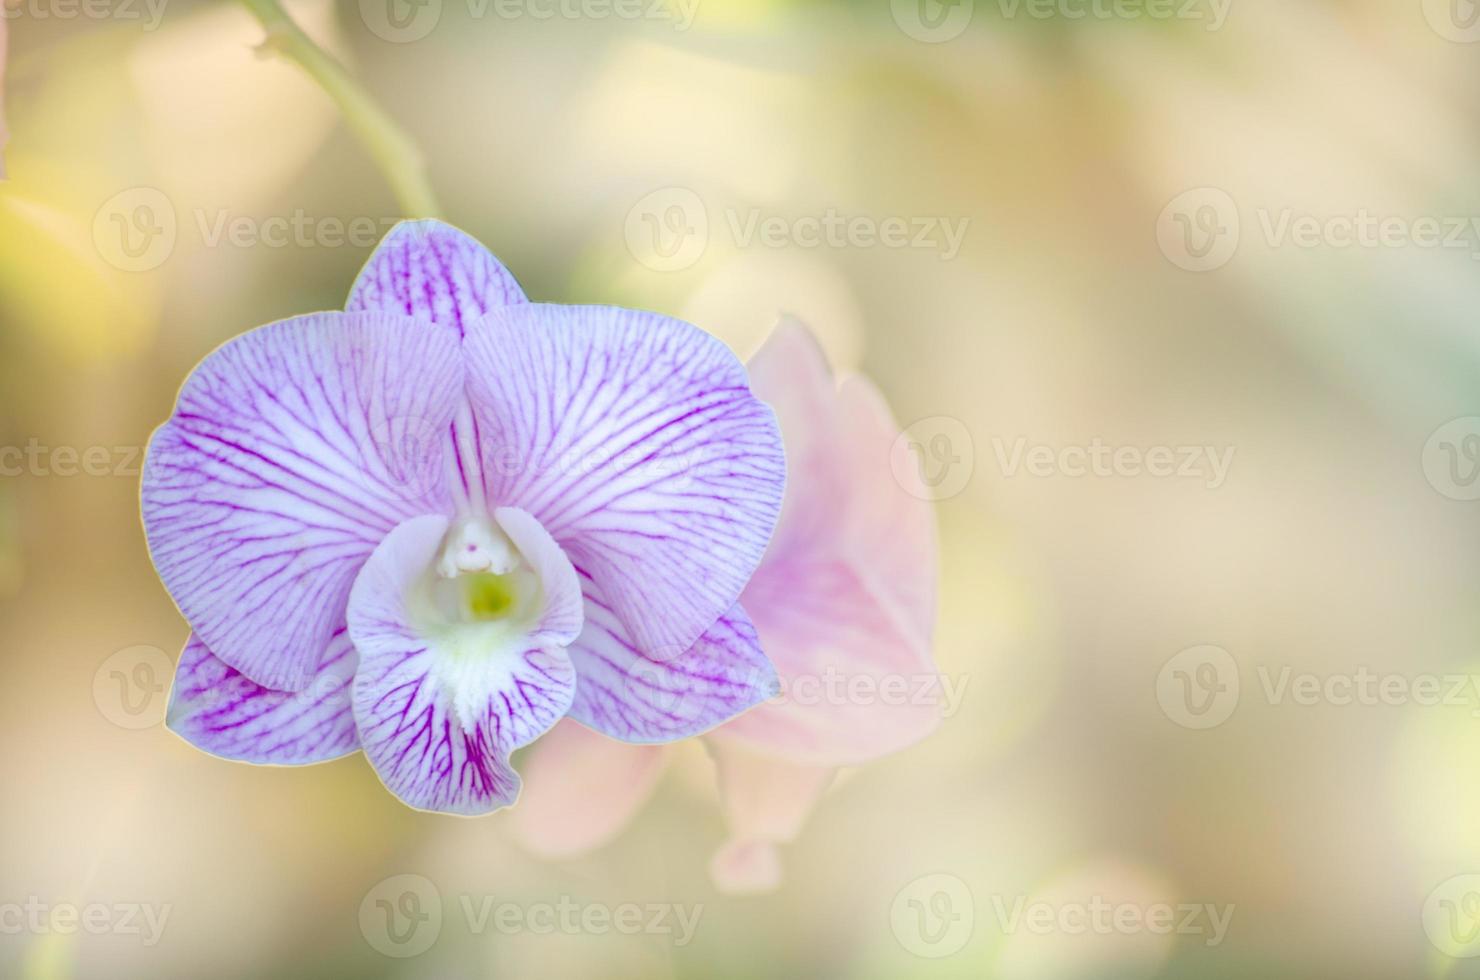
<point x="488" y="596"/>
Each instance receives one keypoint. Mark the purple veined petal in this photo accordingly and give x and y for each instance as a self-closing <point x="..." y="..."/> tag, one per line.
<point x="217" y="709"/>
<point x="628" y="695"/>
<point x="293" y="450"/>
<point x="432" y="271"/>
<point x="634" y="439"/>
<point x="436" y="273"/>
<point x="581" y="789"/>
<point x="438" y="732"/>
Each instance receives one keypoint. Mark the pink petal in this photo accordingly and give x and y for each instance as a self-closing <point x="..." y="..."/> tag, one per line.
<point x="219" y="710"/>
<point x="843" y="500"/>
<point x="766" y="802"/>
<point x="432" y="271"/>
<point x="628" y="695"/>
<point x="293" y="450"/>
<point x="844" y="600"/>
<point x="746" y="867"/>
<point x="581" y="789"/>
<point x="436" y="745"/>
<point x="635" y="440"/>
<point x="764" y="797"/>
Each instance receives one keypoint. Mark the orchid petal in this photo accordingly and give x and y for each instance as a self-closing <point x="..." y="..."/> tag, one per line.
<point x="635" y="440"/>
<point x="293" y="449"/>
<point x="846" y="500"/>
<point x="766" y="802"/>
<point x="844" y="601"/>
<point x="433" y="271"/>
<point x="746" y="867"/>
<point x="217" y="709"/>
<point x="437" y="730"/>
<point x="439" y="274"/>
<point x="564" y="612"/>
<point x="854" y="683"/>
<point x="581" y="789"/>
<point x="628" y="695"/>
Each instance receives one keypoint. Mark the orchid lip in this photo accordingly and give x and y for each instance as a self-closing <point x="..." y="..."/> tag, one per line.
<point x="480" y="579"/>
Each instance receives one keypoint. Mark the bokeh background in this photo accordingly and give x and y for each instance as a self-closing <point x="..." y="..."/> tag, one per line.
<point x="1128" y="277"/>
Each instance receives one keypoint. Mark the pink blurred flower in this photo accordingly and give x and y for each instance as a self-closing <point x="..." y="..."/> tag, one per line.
<point x="844" y="601"/>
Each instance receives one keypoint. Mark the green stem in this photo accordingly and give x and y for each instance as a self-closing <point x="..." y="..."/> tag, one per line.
<point x="394" y="152"/>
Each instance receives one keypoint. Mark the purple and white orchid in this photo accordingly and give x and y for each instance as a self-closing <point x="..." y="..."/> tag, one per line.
<point x="431" y="526"/>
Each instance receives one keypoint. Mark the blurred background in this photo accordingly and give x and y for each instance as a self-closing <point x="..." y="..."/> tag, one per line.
<point x="1237" y="686"/>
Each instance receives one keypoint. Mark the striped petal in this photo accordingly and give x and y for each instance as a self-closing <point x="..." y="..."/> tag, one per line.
<point x="439" y="274"/>
<point x="438" y="713"/>
<point x="293" y="450"/>
<point x="433" y="271"/>
<point x="635" y="697"/>
<point x="635" y="440"/>
<point x="217" y="709"/>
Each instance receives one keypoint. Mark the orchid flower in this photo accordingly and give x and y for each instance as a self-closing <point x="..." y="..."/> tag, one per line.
<point x="432" y="525"/>
<point x="845" y="591"/>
